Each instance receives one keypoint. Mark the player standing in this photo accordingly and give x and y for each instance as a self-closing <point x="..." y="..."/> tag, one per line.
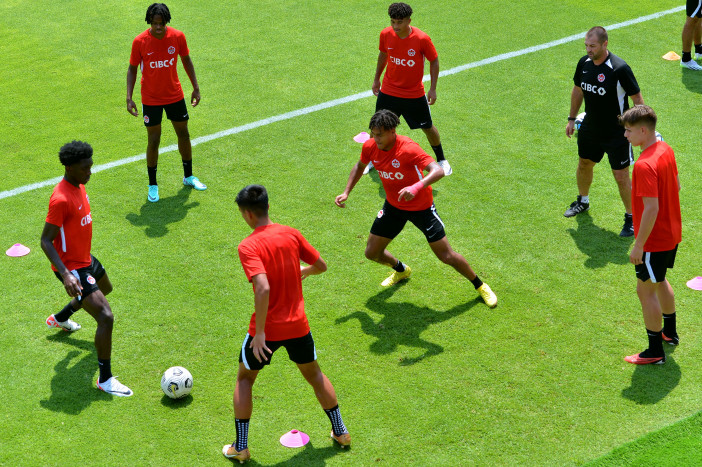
<point x="156" y="51"/>
<point x="66" y="241"/>
<point x="692" y="32"/>
<point x="403" y="49"/>
<point x="401" y="163"/>
<point x="605" y="82"/>
<point x="658" y="227"/>
<point x="271" y="258"/>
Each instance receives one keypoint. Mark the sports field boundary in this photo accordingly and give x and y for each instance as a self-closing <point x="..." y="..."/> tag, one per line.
<point x="340" y="101"/>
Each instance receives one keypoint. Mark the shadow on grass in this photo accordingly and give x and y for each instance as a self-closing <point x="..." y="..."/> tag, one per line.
<point x="692" y="80"/>
<point x="157" y="216"/>
<point x="402" y="324"/>
<point x="651" y="383"/>
<point x="602" y="246"/>
<point x="309" y="456"/>
<point x="72" y="387"/>
<point x="176" y="403"/>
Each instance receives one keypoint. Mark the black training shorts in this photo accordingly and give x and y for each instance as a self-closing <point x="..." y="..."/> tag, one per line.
<point x="415" y="111"/>
<point x="593" y="147"/>
<point x="694" y="8"/>
<point x="88" y="277"/>
<point x="391" y="221"/>
<point x="175" y="112"/>
<point x="655" y="265"/>
<point x="301" y="350"/>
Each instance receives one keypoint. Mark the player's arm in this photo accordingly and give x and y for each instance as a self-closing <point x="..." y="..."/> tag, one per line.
<point x="434" y="75"/>
<point x="131" y="81"/>
<point x="382" y="61"/>
<point x="648" y="220"/>
<point x="637" y="99"/>
<point x="435" y="174"/>
<point x="262" y="292"/>
<point x="318" y="267"/>
<point x="354" y="177"/>
<point x="190" y="70"/>
<point x="576" y="100"/>
<point x="48" y="235"/>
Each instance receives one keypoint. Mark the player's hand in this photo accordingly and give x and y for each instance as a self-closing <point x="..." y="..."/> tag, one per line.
<point x="132" y="108"/>
<point x="405" y="194"/>
<point x="72" y="285"/>
<point x="258" y="344"/>
<point x="376" y="87"/>
<point x="570" y="128"/>
<point x="636" y="255"/>
<point x="431" y="97"/>
<point x="341" y="200"/>
<point x="195" y="98"/>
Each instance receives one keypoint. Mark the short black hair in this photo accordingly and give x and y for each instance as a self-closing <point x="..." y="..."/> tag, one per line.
<point x="158" y="9"/>
<point x="253" y="198"/>
<point x="384" y="119"/>
<point x="399" y="11"/>
<point x="74" y="152"/>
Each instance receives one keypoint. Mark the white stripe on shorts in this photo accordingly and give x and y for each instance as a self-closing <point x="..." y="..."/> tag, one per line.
<point x="697" y="10"/>
<point x="243" y="352"/>
<point x="647" y="262"/>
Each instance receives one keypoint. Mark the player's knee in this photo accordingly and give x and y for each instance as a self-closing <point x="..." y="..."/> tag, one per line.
<point x="372" y="254"/>
<point x="105" y="317"/>
<point x="154" y="140"/>
<point x="183" y="133"/>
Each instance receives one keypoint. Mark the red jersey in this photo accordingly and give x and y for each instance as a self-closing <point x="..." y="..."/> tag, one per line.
<point x="158" y="59"/>
<point x="400" y="167"/>
<point x="69" y="209"/>
<point x="405" y="66"/>
<point x="655" y="175"/>
<point x="276" y="250"/>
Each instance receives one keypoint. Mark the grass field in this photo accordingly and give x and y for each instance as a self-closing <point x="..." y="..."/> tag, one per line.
<point x="425" y="373"/>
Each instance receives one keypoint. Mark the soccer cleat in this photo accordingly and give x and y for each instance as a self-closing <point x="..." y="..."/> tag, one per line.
<point x="446" y="166"/>
<point x="368" y="168"/>
<point x="675" y="340"/>
<point x="488" y="295"/>
<point x="691" y="65"/>
<point x="114" y="387"/>
<point x="576" y="207"/>
<point x="639" y="360"/>
<point x="698" y="56"/>
<point x="628" y="228"/>
<point x="396" y="277"/>
<point x="68" y="325"/>
<point x="231" y="453"/>
<point x="195" y="183"/>
<point x="153" y="193"/>
<point x="343" y="439"/>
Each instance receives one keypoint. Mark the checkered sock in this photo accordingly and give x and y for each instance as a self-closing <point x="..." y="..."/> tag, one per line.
<point x="242" y="434"/>
<point x="334" y="415"/>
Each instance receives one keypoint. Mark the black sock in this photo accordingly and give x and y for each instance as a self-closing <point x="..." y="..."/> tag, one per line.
<point x="105" y="369"/>
<point x="152" y="175"/>
<point x="655" y="343"/>
<point x="439" y="152"/>
<point x="188" y="168"/>
<point x="334" y="415"/>
<point x="64" y="314"/>
<point x="399" y="267"/>
<point x="242" y="434"/>
<point x="669" y="325"/>
<point x="686" y="56"/>
<point x="698" y="48"/>
<point x="477" y="282"/>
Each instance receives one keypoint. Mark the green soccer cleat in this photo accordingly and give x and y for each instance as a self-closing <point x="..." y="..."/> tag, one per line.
<point x="396" y="277"/>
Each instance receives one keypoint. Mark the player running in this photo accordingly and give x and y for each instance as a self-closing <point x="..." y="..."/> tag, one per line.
<point x="156" y="51"/>
<point x="66" y="241"/>
<point x="271" y="258"/>
<point x="401" y="164"/>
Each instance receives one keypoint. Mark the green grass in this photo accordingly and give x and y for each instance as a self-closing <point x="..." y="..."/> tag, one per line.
<point x="425" y="373"/>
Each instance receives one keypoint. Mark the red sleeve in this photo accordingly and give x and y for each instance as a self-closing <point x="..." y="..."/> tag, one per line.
<point x="366" y="151"/>
<point x="428" y="49"/>
<point x="57" y="210"/>
<point x="421" y="158"/>
<point x="308" y="254"/>
<point x="135" y="57"/>
<point x="183" y="50"/>
<point x="646" y="181"/>
<point x="250" y="260"/>
<point x="383" y="47"/>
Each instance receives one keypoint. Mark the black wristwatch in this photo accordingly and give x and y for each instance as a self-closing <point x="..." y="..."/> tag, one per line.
<point x="571" y="119"/>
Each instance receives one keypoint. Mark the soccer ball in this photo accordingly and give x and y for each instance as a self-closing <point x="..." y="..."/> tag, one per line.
<point x="579" y="120"/>
<point x="177" y="382"/>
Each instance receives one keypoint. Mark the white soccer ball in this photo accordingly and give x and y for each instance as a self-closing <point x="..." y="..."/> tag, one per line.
<point x="177" y="382"/>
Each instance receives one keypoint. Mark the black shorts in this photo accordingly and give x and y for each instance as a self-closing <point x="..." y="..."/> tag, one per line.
<point x="391" y="221"/>
<point x="175" y="112"/>
<point x="618" y="149"/>
<point x="301" y="350"/>
<point x="655" y="265"/>
<point x="88" y="277"/>
<point x="694" y="8"/>
<point x="415" y="111"/>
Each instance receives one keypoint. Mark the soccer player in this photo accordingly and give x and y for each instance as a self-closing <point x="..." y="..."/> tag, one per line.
<point x="156" y="51"/>
<point x="401" y="164"/>
<point x="66" y="240"/>
<point x="605" y="82"/>
<point x="403" y="49"/>
<point x="271" y="258"/>
<point x="658" y="227"/>
<point x="692" y="32"/>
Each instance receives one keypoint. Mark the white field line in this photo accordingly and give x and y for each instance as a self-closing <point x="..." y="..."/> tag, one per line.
<point x="340" y="101"/>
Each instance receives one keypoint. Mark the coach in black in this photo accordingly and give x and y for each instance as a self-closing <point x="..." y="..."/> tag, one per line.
<point x="605" y="82"/>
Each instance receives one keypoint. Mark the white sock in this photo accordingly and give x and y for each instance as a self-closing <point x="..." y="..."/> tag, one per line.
<point x="585" y="199"/>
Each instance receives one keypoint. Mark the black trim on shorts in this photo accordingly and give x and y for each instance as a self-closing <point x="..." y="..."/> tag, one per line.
<point x="84" y="275"/>
<point x="618" y="149"/>
<point x="655" y="264"/>
<point x="416" y="112"/>
<point x="301" y="350"/>
<point x="175" y="112"/>
<point x="391" y="220"/>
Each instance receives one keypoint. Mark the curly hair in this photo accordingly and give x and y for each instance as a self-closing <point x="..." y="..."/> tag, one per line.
<point x="159" y="9"/>
<point x="74" y="152"/>
<point x="253" y="198"/>
<point x="384" y="119"/>
<point x="399" y="11"/>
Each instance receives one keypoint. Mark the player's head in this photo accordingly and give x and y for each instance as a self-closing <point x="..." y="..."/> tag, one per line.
<point x="158" y="9"/>
<point x="77" y="158"/>
<point x="639" y="124"/>
<point x="253" y="201"/>
<point x="382" y="128"/>
<point x="400" y="18"/>
<point x="598" y="33"/>
<point x="596" y="43"/>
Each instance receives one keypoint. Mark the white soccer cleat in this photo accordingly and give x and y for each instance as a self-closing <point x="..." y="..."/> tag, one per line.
<point x="446" y="166"/>
<point x="691" y="65"/>
<point x="114" y="387"/>
<point x="368" y="168"/>
<point x="195" y="183"/>
<point x="68" y="325"/>
<point x="698" y="56"/>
